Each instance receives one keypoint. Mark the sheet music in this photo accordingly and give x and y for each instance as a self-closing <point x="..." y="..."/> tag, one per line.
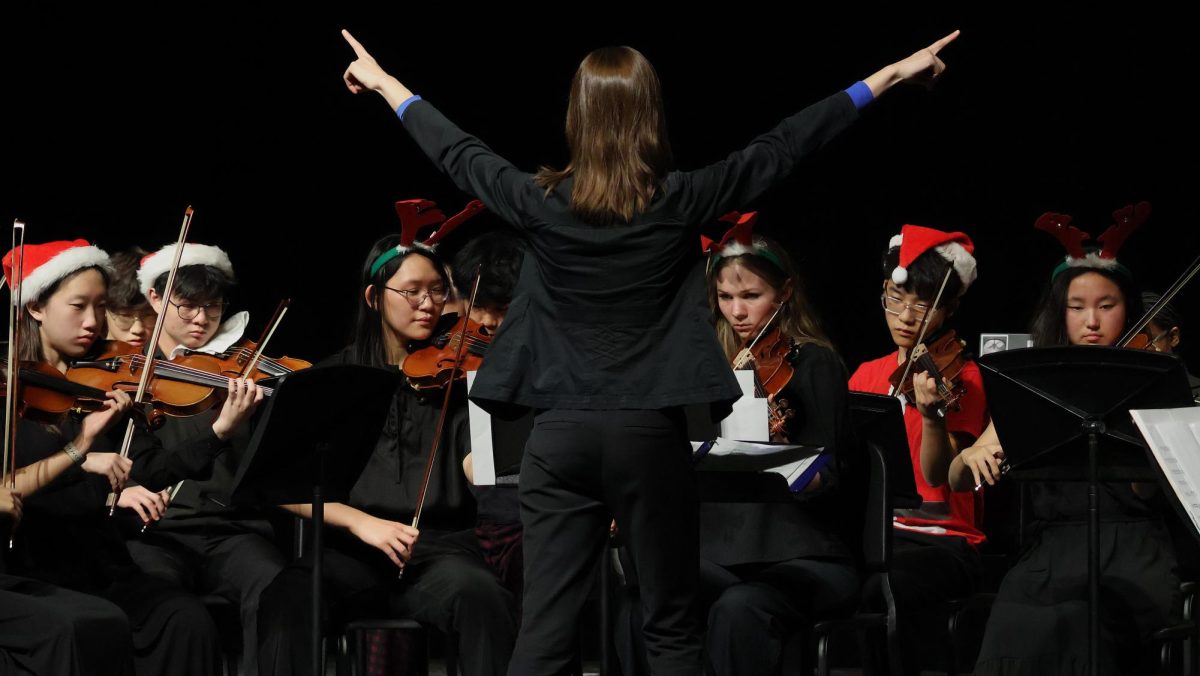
<point x="730" y="454"/>
<point x="1173" y="435"/>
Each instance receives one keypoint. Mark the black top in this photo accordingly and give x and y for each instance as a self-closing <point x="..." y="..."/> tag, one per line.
<point x="737" y="533"/>
<point x="66" y="536"/>
<point x="389" y="484"/>
<point x="608" y="317"/>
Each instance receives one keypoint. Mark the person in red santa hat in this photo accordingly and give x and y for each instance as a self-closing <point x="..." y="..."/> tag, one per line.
<point x="935" y="555"/>
<point x="66" y="470"/>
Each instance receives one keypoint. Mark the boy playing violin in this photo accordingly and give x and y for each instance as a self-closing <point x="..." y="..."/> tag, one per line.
<point x="934" y="556"/>
<point x="202" y="543"/>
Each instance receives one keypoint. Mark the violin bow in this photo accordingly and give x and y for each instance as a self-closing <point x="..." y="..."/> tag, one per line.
<point x="924" y="327"/>
<point x="152" y="347"/>
<point x="441" y="423"/>
<point x="15" y="308"/>
<point x="1166" y="298"/>
<point x="252" y="363"/>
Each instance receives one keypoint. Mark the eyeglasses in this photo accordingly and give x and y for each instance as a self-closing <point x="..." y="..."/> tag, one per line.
<point x="188" y="311"/>
<point x="124" y="321"/>
<point x="895" y="306"/>
<point x="436" y="295"/>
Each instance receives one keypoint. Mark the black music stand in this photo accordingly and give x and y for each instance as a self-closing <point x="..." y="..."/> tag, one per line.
<point x="1062" y="414"/>
<point x="311" y="441"/>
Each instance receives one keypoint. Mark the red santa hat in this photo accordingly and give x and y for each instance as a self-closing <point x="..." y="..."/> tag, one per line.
<point x="46" y="264"/>
<point x="955" y="247"/>
<point x="159" y="262"/>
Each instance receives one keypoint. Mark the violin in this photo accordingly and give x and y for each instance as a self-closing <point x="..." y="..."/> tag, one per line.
<point x="432" y="366"/>
<point x="942" y="359"/>
<point x="770" y="356"/>
<point x="237" y="357"/>
<point x="46" y="395"/>
<point x="184" y="386"/>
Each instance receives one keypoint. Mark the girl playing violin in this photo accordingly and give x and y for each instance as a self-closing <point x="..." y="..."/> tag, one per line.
<point x="774" y="569"/>
<point x="446" y="582"/>
<point x="1039" y="622"/>
<point x="934" y="557"/>
<point x="605" y="337"/>
<point x="65" y="536"/>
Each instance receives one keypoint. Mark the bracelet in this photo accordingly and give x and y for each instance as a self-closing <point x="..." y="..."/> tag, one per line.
<point x="73" y="453"/>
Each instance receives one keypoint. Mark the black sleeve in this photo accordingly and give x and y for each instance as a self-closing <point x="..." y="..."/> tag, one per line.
<point x="708" y="193"/>
<point x="470" y="164"/>
<point x="156" y="467"/>
<point x="817" y="393"/>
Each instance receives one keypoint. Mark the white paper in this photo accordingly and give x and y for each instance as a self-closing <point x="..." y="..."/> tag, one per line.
<point x="790" y="470"/>
<point x="483" y="459"/>
<point x="1173" y="435"/>
<point x="749" y="418"/>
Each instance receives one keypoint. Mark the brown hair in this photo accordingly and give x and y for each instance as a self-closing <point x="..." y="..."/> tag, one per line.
<point x="617" y="134"/>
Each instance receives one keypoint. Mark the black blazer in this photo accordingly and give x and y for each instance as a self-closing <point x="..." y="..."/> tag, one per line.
<point x="609" y="317"/>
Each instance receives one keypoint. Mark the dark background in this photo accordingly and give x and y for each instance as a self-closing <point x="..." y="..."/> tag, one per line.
<point x="114" y="122"/>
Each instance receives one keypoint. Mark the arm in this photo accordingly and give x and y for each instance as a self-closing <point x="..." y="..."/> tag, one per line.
<point x="770" y="158"/>
<point x="394" y="539"/>
<point x="159" y="468"/>
<point x="818" y="394"/>
<point x="466" y="160"/>
<point x="939" y="445"/>
<point x="978" y="464"/>
<point x="34" y="477"/>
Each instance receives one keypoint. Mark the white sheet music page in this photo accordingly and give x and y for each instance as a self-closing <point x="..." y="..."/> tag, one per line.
<point x="1173" y="435"/>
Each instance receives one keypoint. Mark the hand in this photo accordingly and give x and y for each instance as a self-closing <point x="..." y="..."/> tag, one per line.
<point x="242" y="397"/>
<point x="97" y="421"/>
<point x="390" y="537"/>
<point x="986" y="463"/>
<point x="10" y="504"/>
<point x="363" y="73"/>
<point x="148" y="504"/>
<point x="925" y="390"/>
<point x="924" y="66"/>
<point x="109" y="465"/>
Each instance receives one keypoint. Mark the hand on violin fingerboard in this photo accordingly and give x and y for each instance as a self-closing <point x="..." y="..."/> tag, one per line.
<point x="242" y="397"/>
<point x="929" y="402"/>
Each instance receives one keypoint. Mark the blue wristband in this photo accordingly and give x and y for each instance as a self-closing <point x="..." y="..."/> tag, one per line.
<point x="404" y="106"/>
<point x="860" y="94"/>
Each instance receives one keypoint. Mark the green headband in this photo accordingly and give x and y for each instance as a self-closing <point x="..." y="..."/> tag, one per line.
<point x="388" y="255"/>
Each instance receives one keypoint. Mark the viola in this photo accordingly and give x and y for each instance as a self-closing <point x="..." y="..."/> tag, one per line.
<point x="433" y="366"/>
<point x="943" y="360"/>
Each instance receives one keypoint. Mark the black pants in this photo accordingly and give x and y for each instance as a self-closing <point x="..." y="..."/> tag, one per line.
<point x="927" y="572"/>
<point x="46" y="629"/>
<point x="235" y="566"/>
<point x="581" y="469"/>
<point x="446" y="584"/>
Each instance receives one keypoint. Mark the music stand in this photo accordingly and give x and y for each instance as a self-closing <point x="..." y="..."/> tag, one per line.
<point x="1062" y="412"/>
<point x="311" y="441"/>
<point x="880" y="419"/>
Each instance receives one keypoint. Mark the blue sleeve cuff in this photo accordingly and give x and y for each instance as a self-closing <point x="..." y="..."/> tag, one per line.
<point x="859" y="93"/>
<point x="409" y="101"/>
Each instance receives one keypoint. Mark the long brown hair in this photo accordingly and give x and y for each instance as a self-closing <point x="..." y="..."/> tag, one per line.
<point x="797" y="319"/>
<point x="617" y="135"/>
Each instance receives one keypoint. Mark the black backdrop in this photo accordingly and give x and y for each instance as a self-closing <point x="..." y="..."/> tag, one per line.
<point x="113" y="122"/>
